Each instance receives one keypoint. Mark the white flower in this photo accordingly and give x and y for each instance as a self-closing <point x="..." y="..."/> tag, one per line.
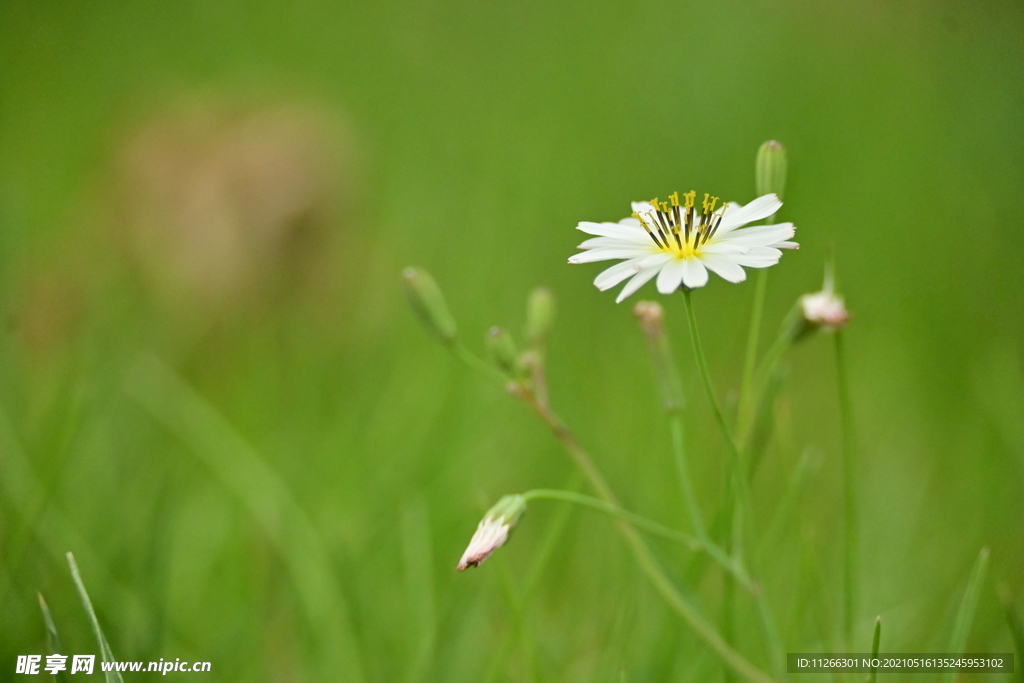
<point x="490" y="535"/>
<point x="680" y="243"/>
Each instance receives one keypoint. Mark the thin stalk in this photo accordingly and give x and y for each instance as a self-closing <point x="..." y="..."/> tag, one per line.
<point x="683" y="471"/>
<point x="641" y="551"/>
<point x="753" y="337"/>
<point x="636" y="520"/>
<point x="747" y="396"/>
<point x="650" y="566"/>
<point x="477" y="363"/>
<point x="742" y="503"/>
<point x="849" y="493"/>
<point x="691" y="542"/>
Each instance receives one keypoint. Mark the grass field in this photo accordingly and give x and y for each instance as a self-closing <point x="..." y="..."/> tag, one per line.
<point x="213" y="392"/>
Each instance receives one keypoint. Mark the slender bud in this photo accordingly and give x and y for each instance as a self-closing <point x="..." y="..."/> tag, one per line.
<point x="428" y="302"/>
<point x="651" y="317"/>
<point x="540" y="316"/>
<point x="493" y="530"/>
<point x="502" y="349"/>
<point x="770" y="169"/>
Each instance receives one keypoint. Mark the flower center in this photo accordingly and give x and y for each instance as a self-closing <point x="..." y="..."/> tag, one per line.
<point x="681" y="229"/>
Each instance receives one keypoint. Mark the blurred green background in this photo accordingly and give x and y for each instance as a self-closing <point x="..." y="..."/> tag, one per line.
<point x="213" y="393"/>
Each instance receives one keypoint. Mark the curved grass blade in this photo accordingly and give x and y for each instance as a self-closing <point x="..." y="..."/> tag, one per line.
<point x="964" y="618"/>
<point x="106" y="655"/>
<point x="52" y="639"/>
<point x="875" y="640"/>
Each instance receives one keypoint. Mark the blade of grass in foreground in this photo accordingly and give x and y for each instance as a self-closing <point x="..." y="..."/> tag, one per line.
<point x="1016" y="625"/>
<point x="243" y="472"/>
<point x="106" y="655"/>
<point x="876" y="638"/>
<point x="52" y="639"/>
<point x="965" y="617"/>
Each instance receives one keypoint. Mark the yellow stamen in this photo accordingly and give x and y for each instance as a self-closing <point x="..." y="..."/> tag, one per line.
<point x="674" y="198"/>
<point x="689" y="197"/>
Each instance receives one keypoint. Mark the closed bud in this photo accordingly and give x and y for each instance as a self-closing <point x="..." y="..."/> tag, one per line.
<point x="824" y="310"/>
<point x="493" y="530"/>
<point x="540" y="316"/>
<point x="770" y="169"/>
<point x="501" y="349"/>
<point x="428" y="302"/>
<point x="651" y="317"/>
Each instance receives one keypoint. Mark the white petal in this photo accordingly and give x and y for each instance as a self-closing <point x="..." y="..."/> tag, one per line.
<point x="610" y="253"/>
<point x="614" y="242"/>
<point x="638" y="281"/>
<point x="617" y="273"/>
<point x="694" y="273"/>
<point x="621" y="230"/>
<point x="671" y="275"/>
<point x="659" y="259"/>
<point x="760" y="235"/>
<point x="724" y="266"/>
<point x="762" y="207"/>
<point x="785" y="245"/>
<point x="725" y="246"/>
<point x="759" y="257"/>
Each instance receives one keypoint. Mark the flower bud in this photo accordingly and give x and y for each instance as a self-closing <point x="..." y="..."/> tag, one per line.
<point x="493" y="530"/>
<point x="651" y="317"/>
<point x="540" y="316"/>
<point x="824" y="309"/>
<point x="770" y="169"/>
<point x="501" y="349"/>
<point x="428" y="302"/>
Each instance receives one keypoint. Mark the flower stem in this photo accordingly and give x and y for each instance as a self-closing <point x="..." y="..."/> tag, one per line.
<point x="739" y="487"/>
<point x="642" y="553"/>
<point x="477" y="363"/>
<point x="683" y="471"/>
<point x="849" y="493"/>
<point x="749" y="363"/>
<point x="640" y="521"/>
<point x="691" y="542"/>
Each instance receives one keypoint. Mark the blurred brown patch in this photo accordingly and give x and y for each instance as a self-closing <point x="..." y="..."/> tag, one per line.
<point x="52" y="304"/>
<point x="218" y="206"/>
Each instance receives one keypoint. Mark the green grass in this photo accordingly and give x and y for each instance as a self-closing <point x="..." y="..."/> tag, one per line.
<point x="283" y="484"/>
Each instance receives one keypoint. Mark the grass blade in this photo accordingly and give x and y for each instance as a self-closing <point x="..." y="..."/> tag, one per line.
<point x="266" y="497"/>
<point x="53" y="645"/>
<point x="964" y="618"/>
<point x="875" y="639"/>
<point x="106" y="655"/>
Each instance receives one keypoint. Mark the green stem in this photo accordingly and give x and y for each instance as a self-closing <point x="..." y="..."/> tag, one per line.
<point x="477" y="363"/>
<point x="751" y="410"/>
<point x="740" y="486"/>
<point x="642" y="553"/>
<point x="691" y="542"/>
<point x="849" y="493"/>
<point x="683" y="471"/>
<point x="640" y="521"/>
<point x="746" y="387"/>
